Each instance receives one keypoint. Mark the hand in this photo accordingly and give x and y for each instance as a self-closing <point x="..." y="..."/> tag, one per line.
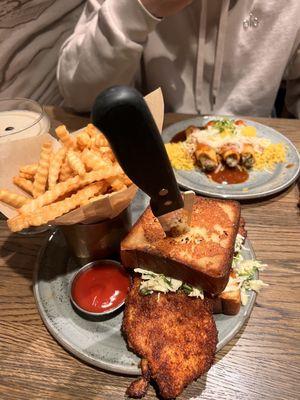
<point x="164" y="8"/>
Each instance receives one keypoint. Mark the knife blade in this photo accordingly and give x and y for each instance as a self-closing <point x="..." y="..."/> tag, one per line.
<point x="123" y="116"/>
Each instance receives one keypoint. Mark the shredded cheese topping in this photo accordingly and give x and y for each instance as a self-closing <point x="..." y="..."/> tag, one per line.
<point x="237" y="136"/>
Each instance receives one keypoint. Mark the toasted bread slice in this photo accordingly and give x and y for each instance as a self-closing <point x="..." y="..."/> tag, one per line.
<point x="201" y="257"/>
<point x="229" y="301"/>
<point x="242" y="230"/>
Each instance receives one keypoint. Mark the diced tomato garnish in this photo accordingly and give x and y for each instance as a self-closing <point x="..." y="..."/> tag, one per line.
<point x="210" y="123"/>
<point x="239" y="122"/>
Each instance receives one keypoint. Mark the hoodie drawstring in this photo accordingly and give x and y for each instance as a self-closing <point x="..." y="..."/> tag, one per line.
<point x="200" y="55"/>
<point x="219" y="54"/>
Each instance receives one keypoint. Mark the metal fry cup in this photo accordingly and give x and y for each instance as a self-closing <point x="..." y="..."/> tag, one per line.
<point x="90" y="242"/>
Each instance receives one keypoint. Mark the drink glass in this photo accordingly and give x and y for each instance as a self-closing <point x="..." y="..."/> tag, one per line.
<point x="21" y="118"/>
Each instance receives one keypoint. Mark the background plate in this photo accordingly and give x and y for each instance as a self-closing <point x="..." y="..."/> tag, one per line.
<point x="100" y="343"/>
<point x="259" y="184"/>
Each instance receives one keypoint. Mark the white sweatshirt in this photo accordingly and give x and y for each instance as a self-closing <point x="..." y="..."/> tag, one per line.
<point x="213" y="57"/>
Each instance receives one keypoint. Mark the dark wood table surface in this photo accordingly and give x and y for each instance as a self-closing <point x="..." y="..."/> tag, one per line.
<point x="261" y="362"/>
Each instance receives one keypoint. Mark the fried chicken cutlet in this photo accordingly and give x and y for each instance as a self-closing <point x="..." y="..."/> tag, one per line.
<point x="175" y="335"/>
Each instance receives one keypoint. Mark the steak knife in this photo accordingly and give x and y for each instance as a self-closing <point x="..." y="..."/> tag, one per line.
<point x="123" y="116"/>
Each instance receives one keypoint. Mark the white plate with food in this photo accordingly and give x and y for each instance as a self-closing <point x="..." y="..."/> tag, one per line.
<point x="228" y="158"/>
<point x="101" y="342"/>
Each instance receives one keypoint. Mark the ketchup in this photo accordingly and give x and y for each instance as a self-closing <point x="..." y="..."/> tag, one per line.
<point x="100" y="288"/>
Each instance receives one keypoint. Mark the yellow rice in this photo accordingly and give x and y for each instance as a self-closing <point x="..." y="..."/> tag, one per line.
<point x="274" y="153"/>
<point x="179" y="156"/>
<point x="271" y="155"/>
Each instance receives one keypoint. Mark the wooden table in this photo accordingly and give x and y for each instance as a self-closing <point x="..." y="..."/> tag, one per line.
<point x="261" y="362"/>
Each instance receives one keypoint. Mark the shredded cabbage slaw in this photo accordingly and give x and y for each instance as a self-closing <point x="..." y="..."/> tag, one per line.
<point x="245" y="278"/>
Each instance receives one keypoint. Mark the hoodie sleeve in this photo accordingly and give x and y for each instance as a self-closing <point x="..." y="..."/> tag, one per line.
<point x="104" y="50"/>
<point x="292" y="99"/>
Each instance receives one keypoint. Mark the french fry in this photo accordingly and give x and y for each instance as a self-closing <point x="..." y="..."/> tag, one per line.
<point x="67" y="140"/>
<point x="92" y="145"/>
<point x="75" y="163"/>
<point x="116" y="184"/>
<point x="66" y="171"/>
<point x="24" y="184"/>
<point x="82" y="171"/>
<point x="98" y="141"/>
<point x="26" y="176"/>
<point x="93" y="161"/>
<point x="84" y="157"/>
<point x="60" y="189"/>
<point x="41" y="176"/>
<point x="55" y="210"/>
<point x="55" y="166"/>
<point x="83" y="140"/>
<point x="100" y="195"/>
<point x="107" y="153"/>
<point x="18" y="223"/>
<point x="29" y="168"/>
<point x="13" y="199"/>
<point x="70" y="185"/>
<point x="91" y="130"/>
<point x="47" y="213"/>
<point x="124" y="178"/>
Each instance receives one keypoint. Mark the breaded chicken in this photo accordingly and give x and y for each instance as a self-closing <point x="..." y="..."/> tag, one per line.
<point x="174" y="334"/>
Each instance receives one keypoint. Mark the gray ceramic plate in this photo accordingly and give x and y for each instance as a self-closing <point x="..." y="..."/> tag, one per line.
<point x="259" y="184"/>
<point x="100" y="343"/>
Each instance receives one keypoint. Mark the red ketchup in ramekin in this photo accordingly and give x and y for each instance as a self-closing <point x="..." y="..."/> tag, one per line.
<point x="100" y="287"/>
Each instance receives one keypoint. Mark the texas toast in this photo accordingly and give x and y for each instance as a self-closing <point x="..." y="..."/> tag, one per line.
<point x="201" y="257"/>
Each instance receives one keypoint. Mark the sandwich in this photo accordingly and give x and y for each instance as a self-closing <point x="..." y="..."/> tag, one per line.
<point x="202" y="257"/>
<point x="179" y="282"/>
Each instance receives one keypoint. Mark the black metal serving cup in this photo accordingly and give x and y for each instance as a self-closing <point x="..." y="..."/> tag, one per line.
<point x="89" y="242"/>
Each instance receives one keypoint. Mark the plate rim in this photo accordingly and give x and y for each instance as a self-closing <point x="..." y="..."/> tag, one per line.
<point x="107" y="366"/>
<point x="246" y="195"/>
<point x="55" y="333"/>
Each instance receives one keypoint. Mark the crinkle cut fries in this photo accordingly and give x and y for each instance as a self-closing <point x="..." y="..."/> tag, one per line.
<point x="82" y="170"/>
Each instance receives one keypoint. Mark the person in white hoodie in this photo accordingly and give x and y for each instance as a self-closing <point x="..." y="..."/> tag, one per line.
<point x="209" y="56"/>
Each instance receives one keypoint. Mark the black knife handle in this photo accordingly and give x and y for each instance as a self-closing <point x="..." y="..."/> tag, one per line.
<point x="122" y="114"/>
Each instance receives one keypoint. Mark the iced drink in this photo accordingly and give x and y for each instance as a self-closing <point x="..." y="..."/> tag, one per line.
<point x="21" y="118"/>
